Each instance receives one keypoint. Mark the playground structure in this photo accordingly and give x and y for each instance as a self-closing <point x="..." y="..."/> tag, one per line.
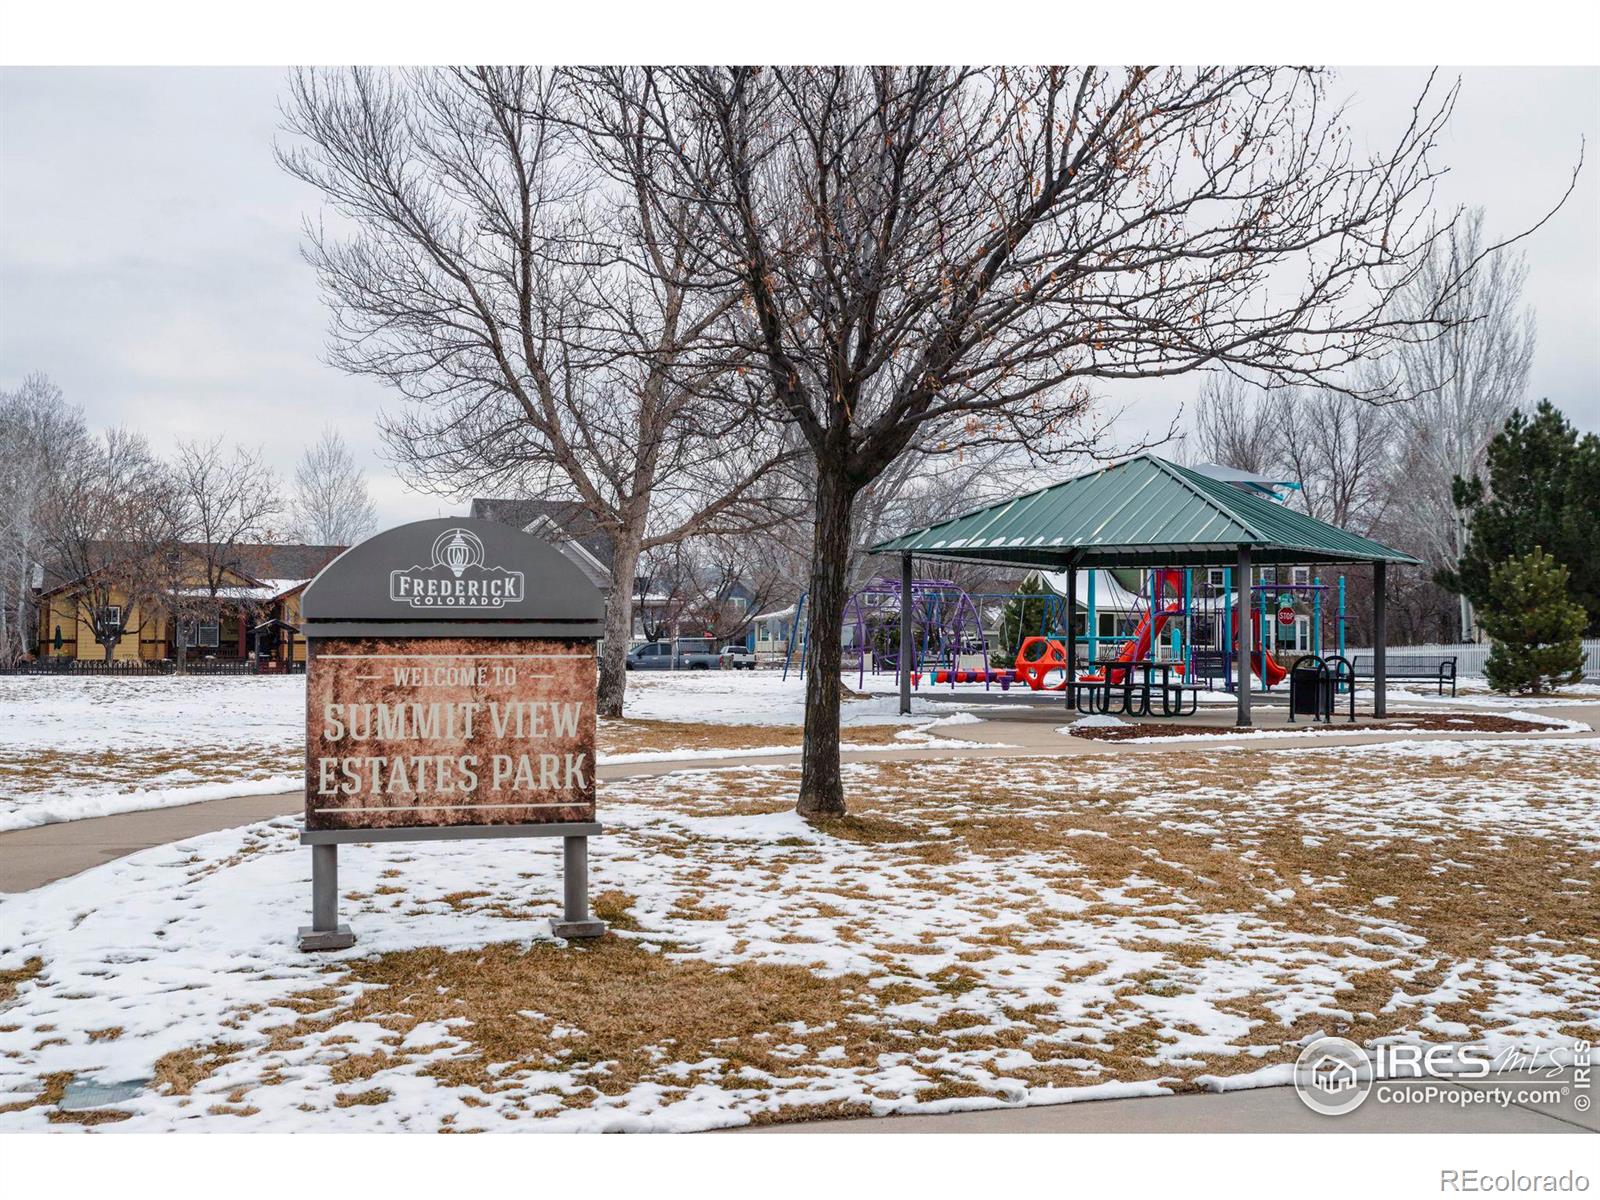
<point x="1152" y="515"/>
<point x="947" y="632"/>
<point x="1180" y="619"/>
<point x="1176" y="615"/>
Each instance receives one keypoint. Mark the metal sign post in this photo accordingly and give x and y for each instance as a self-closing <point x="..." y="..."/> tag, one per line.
<point x="450" y="693"/>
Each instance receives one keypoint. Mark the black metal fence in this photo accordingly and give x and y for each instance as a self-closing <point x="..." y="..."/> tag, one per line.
<point x="131" y="667"/>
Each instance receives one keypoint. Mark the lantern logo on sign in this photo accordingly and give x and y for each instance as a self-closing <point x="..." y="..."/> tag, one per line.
<point x="457" y="578"/>
<point x="458" y="550"/>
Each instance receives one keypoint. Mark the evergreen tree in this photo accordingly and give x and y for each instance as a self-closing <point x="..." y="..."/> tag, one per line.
<point x="1024" y="616"/>
<point x="1543" y="491"/>
<point x="1536" y="629"/>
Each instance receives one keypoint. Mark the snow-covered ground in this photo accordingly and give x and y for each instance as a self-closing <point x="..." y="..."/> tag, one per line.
<point x="72" y="748"/>
<point x="160" y="712"/>
<point x="75" y="748"/>
<point x="1024" y="935"/>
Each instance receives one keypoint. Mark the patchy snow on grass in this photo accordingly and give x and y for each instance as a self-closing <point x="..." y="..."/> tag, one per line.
<point x="1144" y="922"/>
<point x="88" y="747"/>
<point x="49" y="808"/>
<point x="40" y="712"/>
<point x="759" y="698"/>
<point x="1577" y="694"/>
<point x="72" y="748"/>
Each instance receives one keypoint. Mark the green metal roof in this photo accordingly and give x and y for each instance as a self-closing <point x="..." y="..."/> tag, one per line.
<point x="1139" y="513"/>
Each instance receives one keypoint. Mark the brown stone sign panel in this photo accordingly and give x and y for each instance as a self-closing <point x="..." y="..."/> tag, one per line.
<point x="437" y="731"/>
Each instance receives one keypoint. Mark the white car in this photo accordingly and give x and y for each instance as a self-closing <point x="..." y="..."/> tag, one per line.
<point x="739" y="658"/>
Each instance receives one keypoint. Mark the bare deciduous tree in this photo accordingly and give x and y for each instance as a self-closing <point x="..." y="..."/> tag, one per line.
<point x="227" y="504"/>
<point x="505" y="276"/>
<point x="38" y="432"/>
<point x="970" y="249"/>
<point x="1340" y="450"/>
<point x="330" y="506"/>
<point x="1463" y="384"/>
<point x="107" y="531"/>
<point x="1229" y="428"/>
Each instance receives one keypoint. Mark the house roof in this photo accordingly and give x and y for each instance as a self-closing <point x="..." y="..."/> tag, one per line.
<point x="569" y="517"/>
<point x="289" y="561"/>
<point x="1144" y="511"/>
<point x="272" y="570"/>
<point x="1249" y="480"/>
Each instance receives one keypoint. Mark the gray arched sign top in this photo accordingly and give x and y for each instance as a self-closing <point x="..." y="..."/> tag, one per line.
<point x="453" y="577"/>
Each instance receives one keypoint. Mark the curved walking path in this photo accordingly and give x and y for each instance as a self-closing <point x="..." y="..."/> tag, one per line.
<point x="1258" y="1110"/>
<point x="31" y="858"/>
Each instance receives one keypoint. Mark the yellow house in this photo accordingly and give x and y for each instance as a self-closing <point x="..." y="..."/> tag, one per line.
<point x="253" y="617"/>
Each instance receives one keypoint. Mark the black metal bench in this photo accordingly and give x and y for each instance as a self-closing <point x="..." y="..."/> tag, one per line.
<point x="1209" y="665"/>
<point x="1436" y="668"/>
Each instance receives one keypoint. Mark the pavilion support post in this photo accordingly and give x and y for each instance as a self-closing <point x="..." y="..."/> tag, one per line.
<point x="1380" y="639"/>
<point x="1244" y="639"/>
<point x="1072" y="637"/>
<point x="905" y="633"/>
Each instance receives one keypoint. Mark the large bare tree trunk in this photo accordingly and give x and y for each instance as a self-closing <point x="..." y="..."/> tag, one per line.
<point x="821" y="784"/>
<point x="619" y="621"/>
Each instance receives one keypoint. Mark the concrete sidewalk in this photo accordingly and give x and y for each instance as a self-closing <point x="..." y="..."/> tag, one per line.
<point x="1261" y="1110"/>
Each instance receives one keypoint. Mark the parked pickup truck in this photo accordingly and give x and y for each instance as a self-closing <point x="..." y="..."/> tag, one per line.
<point x="693" y="654"/>
<point x="739" y="658"/>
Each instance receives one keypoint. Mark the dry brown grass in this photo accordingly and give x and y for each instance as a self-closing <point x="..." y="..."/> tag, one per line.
<point x="630" y="735"/>
<point x="13" y="979"/>
<point x="1212" y="866"/>
<point x="34" y="771"/>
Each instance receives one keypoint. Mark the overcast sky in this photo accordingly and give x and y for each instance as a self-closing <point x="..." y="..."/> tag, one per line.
<point x="149" y="251"/>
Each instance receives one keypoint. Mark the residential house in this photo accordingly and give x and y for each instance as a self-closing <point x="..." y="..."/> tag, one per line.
<point x="253" y="615"/>
<point x="565" y="524"/>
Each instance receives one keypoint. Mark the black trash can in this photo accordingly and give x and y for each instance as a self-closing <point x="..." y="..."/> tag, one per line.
<point x="1311" y="688"/>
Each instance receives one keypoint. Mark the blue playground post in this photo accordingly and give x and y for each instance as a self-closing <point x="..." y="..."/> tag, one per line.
<point x="1094" y="619"/>
<point x="1227" y="628"/>
<point x="1176" y="638"/>
<point x="794" y="632"/>
<point x="1341" y="616"/>
<point x="1316" y="623"/>
<point x="1188" y="625"/>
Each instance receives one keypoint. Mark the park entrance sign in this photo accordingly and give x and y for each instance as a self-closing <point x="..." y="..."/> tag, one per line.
<point x="450" y="693"/>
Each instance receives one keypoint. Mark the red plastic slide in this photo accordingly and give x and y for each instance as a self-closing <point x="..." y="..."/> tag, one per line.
<point x="1143" y="634"/>
<point x="1272" y="671"/>
<point x="1275" y="670"/>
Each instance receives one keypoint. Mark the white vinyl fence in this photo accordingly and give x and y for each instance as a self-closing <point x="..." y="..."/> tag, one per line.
<point x="1470" y="655"/>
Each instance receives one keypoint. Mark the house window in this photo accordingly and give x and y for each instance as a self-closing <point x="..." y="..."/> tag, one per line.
<point x="109" y="618"/>
<point x="202" y="633"/>
<point x="1217" y="578"/>
<point x="1300" y="575"/>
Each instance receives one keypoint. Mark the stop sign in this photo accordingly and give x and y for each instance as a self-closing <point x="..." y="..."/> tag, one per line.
<point x="1286" y="615"/>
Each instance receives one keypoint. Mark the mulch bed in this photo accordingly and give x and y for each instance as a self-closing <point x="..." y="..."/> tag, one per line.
<point x="1366" y="723"/>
